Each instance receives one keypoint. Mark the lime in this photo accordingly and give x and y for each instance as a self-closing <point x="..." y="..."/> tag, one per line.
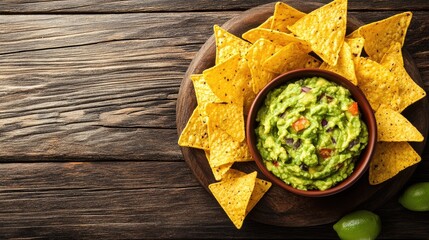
<point x="416" y="197"/>
<point x="360" y="224"/>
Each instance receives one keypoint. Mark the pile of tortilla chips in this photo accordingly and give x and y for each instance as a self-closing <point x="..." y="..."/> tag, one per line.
<point x="369" y="57"/>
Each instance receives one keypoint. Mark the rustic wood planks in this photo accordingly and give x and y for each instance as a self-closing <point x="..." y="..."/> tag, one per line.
<point x="87" y="87"/>
<point x="99" y="6"/>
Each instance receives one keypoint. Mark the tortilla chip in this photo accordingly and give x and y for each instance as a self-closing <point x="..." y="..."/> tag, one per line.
<point x="195" y="133"/>
<point x="393" y="57"/>
<point x="356" y="45"/>
<point x="260" y="50"/>
<point x="279" y="38"/>
<point x="261" y="187"/>
<point x="267" y="23"/>
<point x="389" y="159"/>
<point x="311" y="62"/>
<point x="345" y="66"/>
<point x="204" y="95"/>
<point x="233" y="195"/>
<point x="227" y="44"/>
<point x="393" y="127"/>
<point x="379" y="36"/>
<point x="203" y="92"/>
<point x="377" y="83"/>
<point x="228" y="117"/>
<point x="354" y="34"/>
<point x="224" y="149"/>
<point x="223" y="80"/>
<point x="233" y="173"/>
<point x="284" y="16"/>
<point x="408" y="90"/>
<point x="324" y="28"/>
<point x="290" y="57"/>
<point x="218" y="172"/>
<point x="244" y="79"/>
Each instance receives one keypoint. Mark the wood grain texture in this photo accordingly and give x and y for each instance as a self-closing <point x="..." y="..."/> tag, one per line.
<point x="100" y="6"/>
<point x="77" y="86"/>
<point x="111" y="200"/>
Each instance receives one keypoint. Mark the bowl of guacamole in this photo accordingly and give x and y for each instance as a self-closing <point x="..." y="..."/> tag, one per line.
<point x="311" y="132"/>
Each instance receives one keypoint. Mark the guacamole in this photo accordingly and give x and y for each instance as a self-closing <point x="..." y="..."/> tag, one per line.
<point x="310" y="133"/>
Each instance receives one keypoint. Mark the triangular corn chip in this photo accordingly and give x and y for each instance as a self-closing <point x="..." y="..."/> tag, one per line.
<point x="389" y="159"/>
<point x="267" y="23"/>
<point x="293" y="56"/>
<point x="228" y="117"/>
<point x="393" y="57"/>
<point x="324" y="28"/>
<point x="218" y="172"/>
<point x="408" y="90"/>
<point x="356" y="45"/>
<point x="284" y="16"/>
<point x="393" y="127"/>
<point x="345" y="66"/>
<point x="204" y="94"/>
<point x="224" y="149"/>
<point x="227" y="44"/>
<point x="202" y="90"/>
<point x="233" y="195"/>
<point x="377" y="83"/>
<point x="224" y="81"/>
<point x="261" y="187"/>
<point x="244" y="80"/>
<point x="195" y="132"/>
<point x="260" y="50"/>
<point x="279" y="38"/>
<point x="380" y="35"/>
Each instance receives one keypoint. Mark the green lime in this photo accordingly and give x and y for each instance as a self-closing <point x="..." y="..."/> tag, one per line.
<point x="360" y="224"/>
<point x="416" y="197"/>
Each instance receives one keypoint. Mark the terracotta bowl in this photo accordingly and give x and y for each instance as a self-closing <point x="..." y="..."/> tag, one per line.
<point x="366" y="114"/>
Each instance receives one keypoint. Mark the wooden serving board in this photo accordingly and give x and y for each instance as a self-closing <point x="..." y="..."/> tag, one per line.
<point x="280" y="207"/>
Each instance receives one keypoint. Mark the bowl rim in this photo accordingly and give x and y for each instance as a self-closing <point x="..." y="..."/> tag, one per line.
<point x="365" y="109"/>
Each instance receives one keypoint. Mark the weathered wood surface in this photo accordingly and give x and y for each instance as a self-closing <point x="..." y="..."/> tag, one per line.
<point x="101" y="89"/>
<point x="76" y="86"/>
<point x="129" y="200"/>
<point x="101" y="6"/>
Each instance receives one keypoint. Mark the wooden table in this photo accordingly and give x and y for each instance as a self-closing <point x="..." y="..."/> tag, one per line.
<point x="88" y="142"/>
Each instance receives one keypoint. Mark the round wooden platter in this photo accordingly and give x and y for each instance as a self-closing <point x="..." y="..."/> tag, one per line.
<point x="279" y="207"/>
